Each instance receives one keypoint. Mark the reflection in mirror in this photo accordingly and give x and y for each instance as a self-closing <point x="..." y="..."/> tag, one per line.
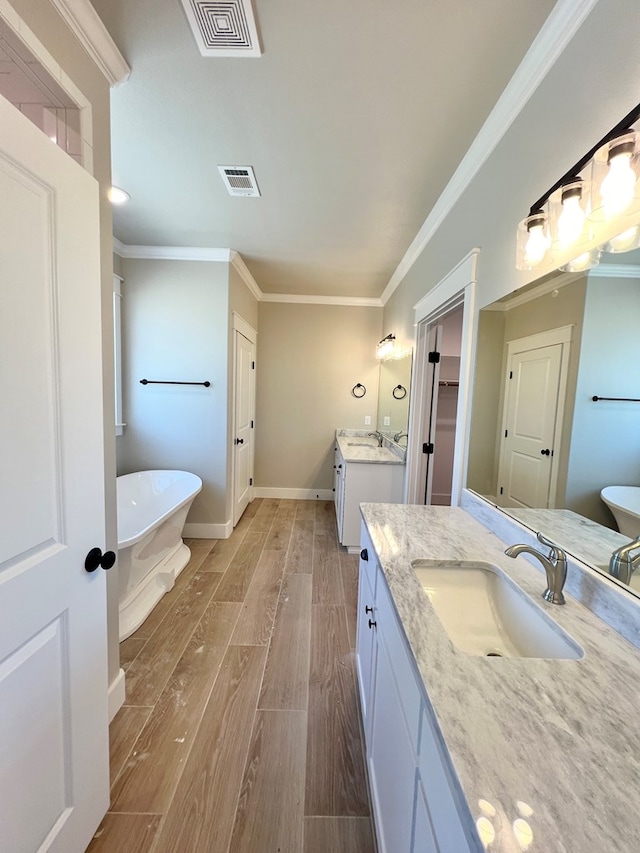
<point x="541" y="448"/>
<point x="393" y="405"/>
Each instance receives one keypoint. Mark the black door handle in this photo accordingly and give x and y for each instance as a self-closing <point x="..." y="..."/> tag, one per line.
<point x="364" y="555"/>
<point x="239" y="441"/>
<point x="372" y="624"/>
<point x="546" y="452"/>
<point x="368" y="609"/>
<point x="96" y="559"/>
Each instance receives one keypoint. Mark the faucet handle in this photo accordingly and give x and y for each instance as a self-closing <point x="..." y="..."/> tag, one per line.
<point x="555" y="552"/>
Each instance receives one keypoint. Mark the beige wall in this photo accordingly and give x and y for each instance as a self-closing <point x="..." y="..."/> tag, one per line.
<point x="47" y="25"/>
<point x="309" y="358"/>
<point x="175" y="326"/>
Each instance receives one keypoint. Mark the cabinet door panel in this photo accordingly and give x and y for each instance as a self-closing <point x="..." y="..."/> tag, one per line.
<point x="391" y="763"/>
<point x="423" y="840"/>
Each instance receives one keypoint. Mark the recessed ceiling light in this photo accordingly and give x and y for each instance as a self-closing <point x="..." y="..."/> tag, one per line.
<point x="118" y="196"/>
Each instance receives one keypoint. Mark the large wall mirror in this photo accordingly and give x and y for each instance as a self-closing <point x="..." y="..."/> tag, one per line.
<point x="393" y="397"/>
<point x="542" y="449"/>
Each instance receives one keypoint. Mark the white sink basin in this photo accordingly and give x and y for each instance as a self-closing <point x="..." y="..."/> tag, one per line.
<point x="362" y="443"/>
<point x="486" y="614"/>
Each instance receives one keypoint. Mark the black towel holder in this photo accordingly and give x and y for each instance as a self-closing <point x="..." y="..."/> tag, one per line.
<point x="359" y="390"/>
<point x="171" y="382"/>
<point x="402" y="392"/>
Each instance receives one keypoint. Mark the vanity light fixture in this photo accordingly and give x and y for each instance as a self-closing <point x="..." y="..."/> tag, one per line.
<point x="386" y="348"/>
<point x="118" y="196"/>
<point x="600" y="190"/>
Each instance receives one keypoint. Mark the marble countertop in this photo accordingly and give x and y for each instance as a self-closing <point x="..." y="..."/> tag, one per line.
<point x="362" y="448"/>
<point x="552" y="742"/>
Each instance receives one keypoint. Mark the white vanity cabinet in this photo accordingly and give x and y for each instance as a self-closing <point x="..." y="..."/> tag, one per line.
<point x="362" y="482"/>
<point x="416" y="808"/>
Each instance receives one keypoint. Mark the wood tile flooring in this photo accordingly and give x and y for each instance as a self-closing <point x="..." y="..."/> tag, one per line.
<point x="240" y="731"/>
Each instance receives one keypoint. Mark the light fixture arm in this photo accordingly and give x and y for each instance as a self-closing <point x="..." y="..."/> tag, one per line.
<point x="624" y="126"/>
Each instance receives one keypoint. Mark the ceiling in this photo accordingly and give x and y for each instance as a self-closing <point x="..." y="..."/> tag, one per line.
<point x="354" y="119"/>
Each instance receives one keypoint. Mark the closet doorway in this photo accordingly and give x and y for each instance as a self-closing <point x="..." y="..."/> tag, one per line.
<point x="440" y="383"/>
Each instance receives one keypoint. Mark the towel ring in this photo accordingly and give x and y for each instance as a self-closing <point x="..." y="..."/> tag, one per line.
<point x="402" y="392"/>
<point x="359" y="390"/>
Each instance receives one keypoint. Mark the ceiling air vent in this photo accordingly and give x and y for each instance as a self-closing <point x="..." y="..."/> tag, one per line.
<point x="239" y="180"/>
<point x="223" y="27"/>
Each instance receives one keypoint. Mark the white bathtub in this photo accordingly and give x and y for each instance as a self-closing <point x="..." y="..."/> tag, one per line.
<point x="624" y="503"/>
<point x="152" y="509"/>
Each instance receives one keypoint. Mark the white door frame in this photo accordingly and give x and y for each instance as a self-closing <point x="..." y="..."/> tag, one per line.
<point x="563" y="335"/>
<point x="239" y="324"/>
<point x="457" y="288"/>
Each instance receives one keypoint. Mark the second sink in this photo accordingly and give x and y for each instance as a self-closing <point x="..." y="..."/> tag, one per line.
<point x="487" y="614"/>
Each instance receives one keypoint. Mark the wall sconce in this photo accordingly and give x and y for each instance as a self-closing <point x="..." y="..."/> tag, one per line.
<point x="386" y="348"/>
<point x="597" y="195"/>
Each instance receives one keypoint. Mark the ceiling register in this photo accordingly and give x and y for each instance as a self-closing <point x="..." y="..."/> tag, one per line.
<point x="223" y="27"/>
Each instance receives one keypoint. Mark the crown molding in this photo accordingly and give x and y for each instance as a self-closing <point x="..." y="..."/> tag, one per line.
<point x="304" y="299"/>
<point x="83" y="20"/>
<point x="562" y="24"/>
<point x="172" y="253"/>
<point x="243" y="271"/>
<point x="615" y="271"/>
<point x="541" y="290"/>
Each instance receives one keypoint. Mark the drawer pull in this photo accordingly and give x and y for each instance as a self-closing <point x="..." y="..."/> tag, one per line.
<point x="364" y="555"/>
<point x="368" y="609"/>
<point x="372" y="624"/>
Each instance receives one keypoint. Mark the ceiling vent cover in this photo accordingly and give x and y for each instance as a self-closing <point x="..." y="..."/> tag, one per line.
<point x="223" y="27"/>
<point x="239" y="180"/>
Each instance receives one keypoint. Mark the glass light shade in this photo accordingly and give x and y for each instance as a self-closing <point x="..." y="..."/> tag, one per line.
<point x="624" y="242"/>
<point x="568" y="215"/>
<point x="533" y="241"/>
<point x="386" y="347"/>
<point x="585" y="261"/>
<point x="614" y="173"/>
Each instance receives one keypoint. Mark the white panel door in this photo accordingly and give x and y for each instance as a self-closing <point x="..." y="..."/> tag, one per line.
<point x="53" y="658"/>
<point x="531" y="412"/>
<point x="244" y="360"/>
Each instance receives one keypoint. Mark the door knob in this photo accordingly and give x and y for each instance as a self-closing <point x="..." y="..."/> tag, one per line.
<point x="239" y="441"/>
<point x="96" y="559"/>
<point x="546" y="452"/>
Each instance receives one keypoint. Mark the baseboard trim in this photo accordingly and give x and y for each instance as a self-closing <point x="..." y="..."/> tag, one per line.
<point x="116" y="694"/>
<point x="293" y="494"/>
<point x="208" y="531"/>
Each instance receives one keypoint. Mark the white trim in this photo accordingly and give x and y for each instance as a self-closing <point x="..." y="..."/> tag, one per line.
<point x="308" y="299"/>
<point x="116" y="694"/>
<point x="240" y="324"/>
<point x="448" y="289"/>
<point x="294" y="494"/>
<point x="560" y="27"/>
<point x="615" y="271"/>
<point x="561" y="335"/>
<point x="541" y="290"/>
<point x="457" y="288"/>
<point x="193" y="530"/>
<point x="243" y="271"/>
<point x="172" y="253"/>
<point x="84" y="22"/>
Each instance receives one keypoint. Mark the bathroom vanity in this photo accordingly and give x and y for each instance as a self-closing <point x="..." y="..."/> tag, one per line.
<point x="468" y="752"/>
<point x="363" y="471"/>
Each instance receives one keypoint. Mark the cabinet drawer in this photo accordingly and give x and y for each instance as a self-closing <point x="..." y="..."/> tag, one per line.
<point x="436" y="781"/>
<point x="405" y="675"/>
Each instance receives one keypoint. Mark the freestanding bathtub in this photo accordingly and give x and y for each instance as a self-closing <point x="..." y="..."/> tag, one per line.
<point x="152" y="509"/>
<point x="624" y="503"/>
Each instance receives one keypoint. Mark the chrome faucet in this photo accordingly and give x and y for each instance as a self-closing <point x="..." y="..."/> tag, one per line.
<point x="377" y="435"/>
<point x="398" y="435"/>
<point x="622" y="564"/>
<point x="555" y="565"/>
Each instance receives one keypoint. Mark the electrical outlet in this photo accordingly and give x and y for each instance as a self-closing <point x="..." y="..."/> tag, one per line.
<point x="367" y="420"/>
<point x="386" y="421"/>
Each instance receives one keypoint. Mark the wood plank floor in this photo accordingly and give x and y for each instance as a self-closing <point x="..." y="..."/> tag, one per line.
<point x="240" y="731"/>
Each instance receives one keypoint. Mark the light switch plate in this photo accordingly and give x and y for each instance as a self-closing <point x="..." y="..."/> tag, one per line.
<point x="387" y="421"/>
<point x="367" y="420"/>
